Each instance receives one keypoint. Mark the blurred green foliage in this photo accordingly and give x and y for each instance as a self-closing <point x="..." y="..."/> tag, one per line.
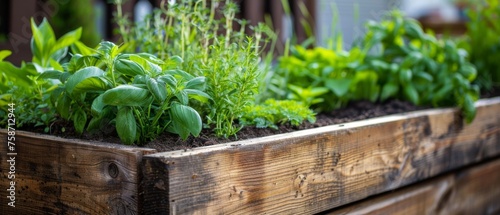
<point x="74" y="14"/>
<point x="394" y="60"/>
<point x="482" y="41"/>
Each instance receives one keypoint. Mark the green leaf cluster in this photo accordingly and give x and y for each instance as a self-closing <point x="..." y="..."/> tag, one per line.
<point x="324" y="79"/>
<point x="206" y="38"/>
<point x="417" y="67"/>
<point x="395" y="59"/>
<point x="482" y="42"/>
<point x="73" y="14"/>
<point x="273" y="112"/>
<point x="20" y="84"/>
<point x="140" y="94"/>
<point x="47" y="51"/>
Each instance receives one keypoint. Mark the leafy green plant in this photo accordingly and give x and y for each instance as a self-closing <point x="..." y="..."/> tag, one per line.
<point x="418" y="67"/>
<point x="32" y="106"/>
<point x="20" y="84"/>
<point x="323" y="78"/>
<point x="14" y="82"/>
<point x="140" y="94"/>
<point x="395" y="59"/>
<point x="74" y="14"/>
<point x="47" y="51"/>
<point x="210" y="47"/>
<point x="273" y="112"/>
<point x="482" y="42"/>
<point x="12" y="74"/>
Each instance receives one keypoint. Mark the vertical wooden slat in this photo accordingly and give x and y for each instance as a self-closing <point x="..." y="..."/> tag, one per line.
<point x="254" y="11"/>
<point x="277" y="13"/>
<point x="300" y="17"/>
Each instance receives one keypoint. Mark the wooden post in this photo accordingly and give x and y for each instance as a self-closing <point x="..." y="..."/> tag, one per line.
<point x="304" y="20"/>
<point x="254" y="11"/>
<point x="277" y="13"/>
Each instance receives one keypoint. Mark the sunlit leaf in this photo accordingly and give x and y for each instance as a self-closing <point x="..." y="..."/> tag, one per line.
<point x="79" y="120"/>
<point x="389" y="90"/>
<point x="126" y="95"/>
<point x="4" y="54"/>
<point x="97" y="105"/>
<point x="339" y="86"/>
<point x="63" y="104"/>
<point x="178" y="74"/>
<point x="126" y="126"/>
<point x="169" y="80"/>
<point x="197" y="83"/>
<point x="81" y="48"/>
<point x="185" y="120"/>
<point x="183" y="97"/>
<point x="412" y="94"/>
<point x="50" y="74"/>
<point x="79" y="79"/>
<point x="67" y="39"/>
<point x="469" y="108"/>
<point x="197" y="94"/>
<point x="158" y="89"/>
<point x="128" y="67"/>
<point x="20" y="76"/>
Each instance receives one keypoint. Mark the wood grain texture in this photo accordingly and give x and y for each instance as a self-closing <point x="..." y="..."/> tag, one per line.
<point x="316" y="170"/>
<point x="61" y="176"/>
<point x="473" y="190"/>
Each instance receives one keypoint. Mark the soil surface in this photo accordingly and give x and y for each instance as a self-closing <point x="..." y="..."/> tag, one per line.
<point x="167" y="142"/>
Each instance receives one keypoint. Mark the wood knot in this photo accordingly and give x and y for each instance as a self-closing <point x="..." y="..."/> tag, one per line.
<point x="113" y="170"/>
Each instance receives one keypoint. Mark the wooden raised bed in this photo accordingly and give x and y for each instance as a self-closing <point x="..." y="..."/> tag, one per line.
<point x="473" y="190"/>
<point x="303" y="172"/>
<point x="60" y="176"/>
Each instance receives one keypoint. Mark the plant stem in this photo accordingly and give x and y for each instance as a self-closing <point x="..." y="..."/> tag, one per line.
<point x="183" y="20"/>
<point x="164" y="107"/>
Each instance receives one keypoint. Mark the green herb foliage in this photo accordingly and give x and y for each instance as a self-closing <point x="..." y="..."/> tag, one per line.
<point x="20" y="85"/>
<point x="73" y="14"/>
<point x="140" y="94"/>
<point x="418" y="67"/>
<point x="274" y="112"/>
<point x="323" y="78"/>
<point x="482" y="41"/>
<point x="395" y="59"/>
<point x="209" y="47"/>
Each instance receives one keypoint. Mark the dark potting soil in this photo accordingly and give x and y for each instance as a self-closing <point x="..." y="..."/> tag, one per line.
<point x="355" y="111"/>
<point x="167" y="142"/>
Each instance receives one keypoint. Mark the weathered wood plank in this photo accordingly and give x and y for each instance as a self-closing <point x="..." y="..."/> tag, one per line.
<point x="61" y="176"/>
<point x="315" y="170"/>
<point x="473" y="190"/>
